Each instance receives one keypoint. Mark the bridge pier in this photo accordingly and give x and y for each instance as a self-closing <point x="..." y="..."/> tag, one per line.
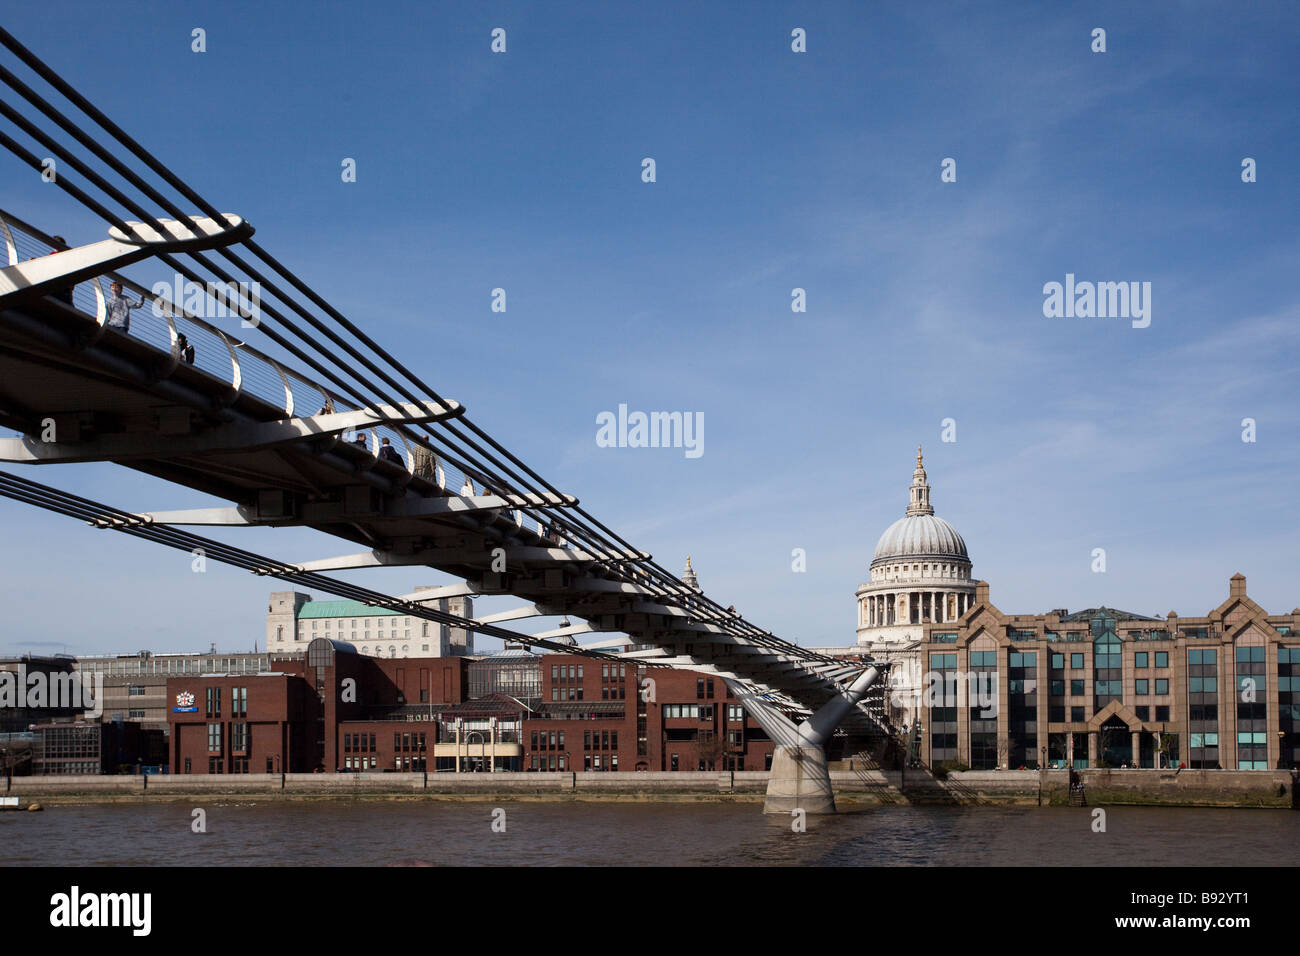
<point x="800" y="780"/>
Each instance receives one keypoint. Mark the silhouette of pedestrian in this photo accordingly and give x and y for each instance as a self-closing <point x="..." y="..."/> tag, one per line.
<point x="388" y="453"/>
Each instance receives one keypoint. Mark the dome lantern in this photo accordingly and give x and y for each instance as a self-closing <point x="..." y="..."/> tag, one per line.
<point x="919" y="500"/>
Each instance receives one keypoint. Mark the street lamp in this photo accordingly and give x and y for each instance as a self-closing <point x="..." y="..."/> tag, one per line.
<point x="1042" y="763"/>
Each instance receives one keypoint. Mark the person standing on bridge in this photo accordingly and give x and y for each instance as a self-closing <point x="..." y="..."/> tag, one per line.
<point x="389" y="453"/>
<point x="119" y="309"/>
<point x="425" y="463"/>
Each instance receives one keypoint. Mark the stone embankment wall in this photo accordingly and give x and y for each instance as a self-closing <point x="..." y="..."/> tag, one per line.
<point x="969" y="788"/>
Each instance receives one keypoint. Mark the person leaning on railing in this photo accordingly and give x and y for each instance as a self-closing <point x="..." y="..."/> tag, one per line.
<point x="118" y="309"/>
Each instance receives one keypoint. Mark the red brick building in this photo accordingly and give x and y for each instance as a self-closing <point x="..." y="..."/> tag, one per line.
<point x="253" y="723"/>
<point x="609" y="716"/>
<point x="332" y="710"/>
<point x="337" y="710"/>
<point x="378" y="713"/>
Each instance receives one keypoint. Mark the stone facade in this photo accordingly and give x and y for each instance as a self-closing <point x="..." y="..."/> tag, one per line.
<point x="1107" y="688"/>
<point x="920" y="573"/>
<point x="293" y="620"/>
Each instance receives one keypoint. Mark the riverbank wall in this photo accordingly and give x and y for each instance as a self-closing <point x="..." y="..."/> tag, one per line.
<point x="1198" y="788"/>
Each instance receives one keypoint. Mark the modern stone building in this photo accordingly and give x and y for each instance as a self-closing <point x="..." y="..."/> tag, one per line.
<point x="294" y="620"/>
<point x="1103" y="687"/>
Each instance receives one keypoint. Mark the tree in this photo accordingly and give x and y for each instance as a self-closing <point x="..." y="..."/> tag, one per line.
<point x="713" y="747"/>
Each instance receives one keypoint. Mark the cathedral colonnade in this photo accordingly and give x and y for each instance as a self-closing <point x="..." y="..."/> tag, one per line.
<point x="914" y="607"/>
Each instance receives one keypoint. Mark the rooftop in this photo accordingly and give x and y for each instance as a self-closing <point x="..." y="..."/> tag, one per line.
<point x="1089" y="613"/>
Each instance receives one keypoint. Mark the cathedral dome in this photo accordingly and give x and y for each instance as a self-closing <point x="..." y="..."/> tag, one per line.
<point x="919" y="534"/>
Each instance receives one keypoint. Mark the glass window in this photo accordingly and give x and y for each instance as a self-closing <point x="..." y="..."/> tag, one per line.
<point x="1076" y="662"/>
<point x="1162" y="658"/>
<point x="1142" y="686"/>
<point x="1162" y="685"/>
<point x="1140" y="659"/>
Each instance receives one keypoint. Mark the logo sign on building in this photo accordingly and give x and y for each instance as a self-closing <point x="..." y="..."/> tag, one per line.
<point x="184" y="703"/>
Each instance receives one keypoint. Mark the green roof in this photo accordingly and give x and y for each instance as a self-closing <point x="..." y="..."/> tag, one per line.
<point x="319" y="609"/>
<point x="1111" y="612"/>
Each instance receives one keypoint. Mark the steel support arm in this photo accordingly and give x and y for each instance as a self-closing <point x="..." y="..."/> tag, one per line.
<point x="44" y="275"/>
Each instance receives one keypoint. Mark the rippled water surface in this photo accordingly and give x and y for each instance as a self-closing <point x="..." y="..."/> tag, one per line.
<point x="380" y="833"/>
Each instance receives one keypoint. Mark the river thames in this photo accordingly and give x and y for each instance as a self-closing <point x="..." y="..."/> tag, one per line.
<point x="445" y="833"/>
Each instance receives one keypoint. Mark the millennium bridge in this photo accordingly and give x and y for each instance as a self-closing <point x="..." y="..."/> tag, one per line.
<point x="287" y="410"/>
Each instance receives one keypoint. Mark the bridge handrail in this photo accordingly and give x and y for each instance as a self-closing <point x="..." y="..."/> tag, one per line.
<point x="250" y="372"/>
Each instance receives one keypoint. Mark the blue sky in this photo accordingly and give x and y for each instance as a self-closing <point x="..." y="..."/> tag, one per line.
<point x="775" y="170"/>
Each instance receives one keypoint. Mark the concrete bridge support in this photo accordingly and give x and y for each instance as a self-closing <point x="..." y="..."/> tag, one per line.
<point x="800" y="779"/>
